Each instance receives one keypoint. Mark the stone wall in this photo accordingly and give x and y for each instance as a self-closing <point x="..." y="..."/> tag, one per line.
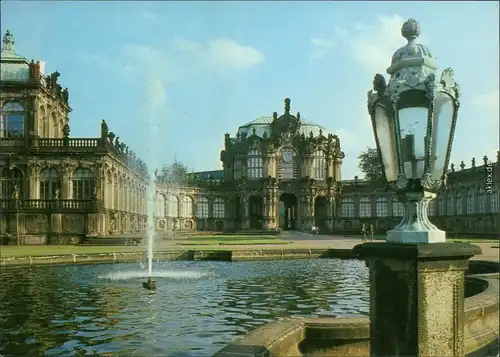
<point x="324" y="337"/>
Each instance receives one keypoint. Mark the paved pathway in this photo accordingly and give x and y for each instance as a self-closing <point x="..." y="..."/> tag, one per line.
<point x="309" y="241"/>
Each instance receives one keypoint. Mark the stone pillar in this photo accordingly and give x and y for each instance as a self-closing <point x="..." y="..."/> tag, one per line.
<point x="417" y="297"/>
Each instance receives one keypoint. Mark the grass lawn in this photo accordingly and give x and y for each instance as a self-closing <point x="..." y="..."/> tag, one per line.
<point x="234" y="242"/>
<point x="37" y="250"/>
<point x="231" y="237"/>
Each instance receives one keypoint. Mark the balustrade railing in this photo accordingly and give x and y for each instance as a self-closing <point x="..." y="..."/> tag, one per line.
<point x="11" y="143"/>
<point x="50" y="205"/>
<point x="82" y="143"/>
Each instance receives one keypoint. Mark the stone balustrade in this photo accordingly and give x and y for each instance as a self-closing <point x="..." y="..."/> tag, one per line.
<point x="88" y="206"/>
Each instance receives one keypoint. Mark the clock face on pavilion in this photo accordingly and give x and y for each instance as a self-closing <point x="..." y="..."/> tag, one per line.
<point x="287" y="156"/>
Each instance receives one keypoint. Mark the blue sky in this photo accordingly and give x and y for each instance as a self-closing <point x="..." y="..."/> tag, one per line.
<point x="171" y="78"/>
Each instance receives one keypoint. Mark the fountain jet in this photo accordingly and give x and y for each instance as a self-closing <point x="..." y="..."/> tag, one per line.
<point x="150" y="284"/>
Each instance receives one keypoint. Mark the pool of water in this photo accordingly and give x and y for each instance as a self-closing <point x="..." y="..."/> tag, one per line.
<point x="197" y="309"/>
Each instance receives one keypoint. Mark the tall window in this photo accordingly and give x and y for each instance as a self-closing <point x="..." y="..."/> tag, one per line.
<point x="365" y="207"/>
<point x="469" y="203"/>
<point x="254" y="165"/>
<point x="237" y="167"/>
<point x="160" y="205"/>
<point x="218" y="208"/>
<point x="481" y="201"/>
<point x="494" y="201"/>
<point x="50" y="184"/>
<point x="83" y="184"/>
<point x="381" y="207"/>
<point x="432" y="208"/>
<point x="172" y="206"/>
<point x="12" y="120"/>
<point x="397" y="208"/>
<point x="187" y="204"/>
<point x="202" y="208"/>
<point x="287" y="165"/>
<point x="450" y="209"/>
<point x="116" y="192"/>
<point x="319" y="165"/>
<point x="441" y="205"/>
<point x="348" y="209"/>
<point x="10" y="180"/>
<point x="459" y="204"/>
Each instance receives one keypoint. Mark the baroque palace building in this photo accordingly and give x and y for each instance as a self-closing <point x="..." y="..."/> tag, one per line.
<point x="280" y="171"/>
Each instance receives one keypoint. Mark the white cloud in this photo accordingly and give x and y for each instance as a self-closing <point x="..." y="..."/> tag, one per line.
<point x="221" y="53"/>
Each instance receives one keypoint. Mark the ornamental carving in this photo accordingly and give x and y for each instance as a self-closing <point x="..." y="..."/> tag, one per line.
<point x="73" y="223"/>
<point x="37" y="223"/>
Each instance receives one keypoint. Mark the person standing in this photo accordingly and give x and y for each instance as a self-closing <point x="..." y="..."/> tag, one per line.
<point x="363" y="232"/>
<point x="372" y="232"/>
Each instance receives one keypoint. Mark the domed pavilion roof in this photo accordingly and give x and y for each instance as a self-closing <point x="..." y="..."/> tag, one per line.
<point x="263" y="125"/>
<point x="14" y="66"/>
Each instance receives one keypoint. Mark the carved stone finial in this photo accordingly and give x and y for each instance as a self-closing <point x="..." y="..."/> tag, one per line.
<point x="8" y="41"/>
<point x="485" y="159"/>
<point x="298" y="115"/>
<point x="287" y="105"/>
<point x="462" y="165"/>
<point x="452" y="167"/>
<point x="253" y="131"/>
<point x="356" y="179"/>
<point x="379" y="84"/>
<point x="410" y="30"/>
<point x="473" y="162"/>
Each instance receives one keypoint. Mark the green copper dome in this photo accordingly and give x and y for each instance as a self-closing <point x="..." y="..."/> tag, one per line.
<point x="263" y="125"/>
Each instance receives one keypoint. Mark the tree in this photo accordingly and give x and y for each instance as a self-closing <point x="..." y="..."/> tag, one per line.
<point x="175" y="173"/>
<point x="369" y="163"/>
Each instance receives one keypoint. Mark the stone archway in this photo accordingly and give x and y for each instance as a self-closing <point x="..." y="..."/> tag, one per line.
<point x="256" y="211"/>
<point x="321" y="213"/>
<point x="288" y="211"/>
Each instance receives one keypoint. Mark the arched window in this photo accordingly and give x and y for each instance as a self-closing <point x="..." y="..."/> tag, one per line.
<point x="160" y="205"/>
<point x="494" y="202"/>
<point x="319" y="165"/>
<point x="287" y="165"/>
<point x="109" y="189"/>
<point x="116" y="192"/>
<point x="365" y="207"/>
<point x="172" y="206"/>
<point x="50" y="184"/>
<point x="348" y="209"/>
<point x="12" y="120"/>
<point x="237" y="167"/>
<point x="381" y="207"/>
<point x="481" y="201"/>
<point x="202" y="208"/>
<point x="397" y="208"/>
<point x="10" y="181"/>
<point x="218" y="208"/>
<point x="187" y="204"/>
<point x="459" y="204"/>
<point x="450" y="208"/>
<point x="469" y="203"/>
<point x="432" y="208"/>
<point x="83" y="184"/>
<point x="254" y="165"/>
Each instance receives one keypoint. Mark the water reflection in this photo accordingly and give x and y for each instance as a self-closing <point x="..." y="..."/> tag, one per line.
<point x="55" y="310"/>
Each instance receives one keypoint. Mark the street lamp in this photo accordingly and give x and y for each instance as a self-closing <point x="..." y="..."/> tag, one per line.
<point x="413" y="118"/>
